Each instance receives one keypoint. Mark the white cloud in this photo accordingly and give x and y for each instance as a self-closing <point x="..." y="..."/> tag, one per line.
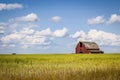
<point x="46" y="47"/>
<point x="56" y="18"/>
<point x="25" y="46"/>
<point x="27" y="31"/>
<point x="1" y="31"/>
<point x="15" y="37"/>
<point x="8" y="45"/>
<point x="12" y="45"/>
<point x="23" y="33"/>
<point x="23" y="38"/>
<point x="101" y="37"/>
<point x="4" y="6"/>
<point x="104" y="38"/>
<point x="56" y="33"/>
<point x="114" y="18"/>
<point x="28" y="37"/>
<point x="2" y="26"/>
<point x="46" y="32"/>
<point x="78" y="34"/>
<point x="13" y="24"/>
<point x="33" y="40"/>
<point x="97" y="20"/>
<point x="60" y="33"/>
<point x="28" y="18"/>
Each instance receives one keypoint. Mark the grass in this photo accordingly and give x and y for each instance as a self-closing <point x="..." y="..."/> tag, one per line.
<point x="60" y="67"/>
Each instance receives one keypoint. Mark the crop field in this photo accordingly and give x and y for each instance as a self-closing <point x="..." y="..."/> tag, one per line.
<point x="60" y="67"/>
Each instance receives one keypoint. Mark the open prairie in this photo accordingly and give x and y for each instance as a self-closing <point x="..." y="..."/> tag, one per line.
<point x="60" y="67"/>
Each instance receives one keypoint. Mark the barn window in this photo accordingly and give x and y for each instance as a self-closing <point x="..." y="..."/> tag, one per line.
<point x="80" y="44"/>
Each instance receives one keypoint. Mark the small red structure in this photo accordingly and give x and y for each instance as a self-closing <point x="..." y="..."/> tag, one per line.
<point x="87" y="47"/>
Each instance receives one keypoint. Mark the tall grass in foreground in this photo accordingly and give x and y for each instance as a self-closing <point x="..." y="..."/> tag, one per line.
<point x="60" y="67"/>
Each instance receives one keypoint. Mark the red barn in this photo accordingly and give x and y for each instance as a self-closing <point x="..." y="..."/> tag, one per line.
<point x="87" y="47"/>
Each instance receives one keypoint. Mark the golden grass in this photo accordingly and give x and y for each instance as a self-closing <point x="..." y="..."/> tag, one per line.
<point x="60" y="67"/>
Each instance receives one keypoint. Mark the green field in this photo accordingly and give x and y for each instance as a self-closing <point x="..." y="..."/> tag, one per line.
<point x="60" y="67"/>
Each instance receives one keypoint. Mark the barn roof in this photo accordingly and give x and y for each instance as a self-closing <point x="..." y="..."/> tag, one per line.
<point x="90" y="45"/>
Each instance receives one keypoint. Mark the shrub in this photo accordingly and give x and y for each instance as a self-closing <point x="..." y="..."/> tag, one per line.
<point x="13" y="53"/>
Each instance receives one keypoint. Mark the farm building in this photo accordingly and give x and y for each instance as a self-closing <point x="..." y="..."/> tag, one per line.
<point x="87" y="47"/>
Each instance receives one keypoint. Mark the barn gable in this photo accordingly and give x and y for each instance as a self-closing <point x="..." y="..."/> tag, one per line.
<point x="91" y="45"/>
<point x="87" y="47"/>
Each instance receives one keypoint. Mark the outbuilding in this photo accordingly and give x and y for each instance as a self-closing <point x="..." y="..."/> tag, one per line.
<point x="87" y="47"/>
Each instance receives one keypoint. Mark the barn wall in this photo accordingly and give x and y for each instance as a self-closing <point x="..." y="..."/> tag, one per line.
<point x="84" y="50"/>
<point x="81" y="49"/>
<point x="77" y="48"/>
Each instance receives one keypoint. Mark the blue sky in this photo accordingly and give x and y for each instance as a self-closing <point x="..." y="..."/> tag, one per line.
<point x="55" y="26"/>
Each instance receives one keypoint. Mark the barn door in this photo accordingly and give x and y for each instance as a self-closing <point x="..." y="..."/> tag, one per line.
<point x="81" y="51"/>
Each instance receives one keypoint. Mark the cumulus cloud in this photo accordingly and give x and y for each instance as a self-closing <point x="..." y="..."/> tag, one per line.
<point x="2" y="28"/>
<point x="56" y="33"/>
<point x="60" y="33"/>
<point x="114" y="18"/>
<point x="56" y="18"/>
<point x="18" y="23"/>
<point x="104" y="38"/>
<point x="4" y="6"/>
<point x="28" y="37"/>
<point x="78" y="34"/>
<point x="20" y="31"/>
<point x="28" y="18"/>
<point x="27" y="31"/>
<point x="101" y="37"/>
<point x="12" y="38"/>
<point x="46" y="32"/>
<point x="25" y="46"/>
<point x="97" y="20"/>
<point x="2" y="25"/>
<point x="25" y="38"/>
<point x="8" y="45"/>
<point x="1" y="31"/>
